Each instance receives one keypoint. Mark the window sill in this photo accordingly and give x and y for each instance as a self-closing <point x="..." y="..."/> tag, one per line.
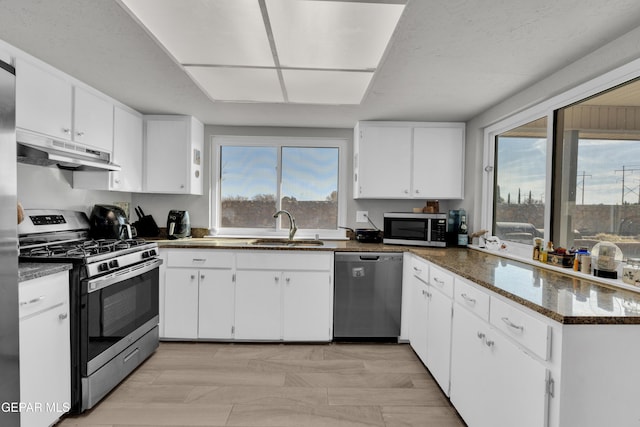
<point x="506" y="253"/>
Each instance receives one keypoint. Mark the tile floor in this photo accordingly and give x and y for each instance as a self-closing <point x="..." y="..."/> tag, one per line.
<point x="275" y="385"/>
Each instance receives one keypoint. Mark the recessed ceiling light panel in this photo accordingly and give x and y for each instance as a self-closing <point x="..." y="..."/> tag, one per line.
<point x="326" y="87"/>
<point x="222" y="32"/>
<point x="238" y="84"/>
<point x="332" y="34"/>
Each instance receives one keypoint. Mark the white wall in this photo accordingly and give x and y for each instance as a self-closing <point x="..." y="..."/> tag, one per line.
<point x="50" y="188"/>
<point x="613" y="55"/>
<point x="159" y="205"/>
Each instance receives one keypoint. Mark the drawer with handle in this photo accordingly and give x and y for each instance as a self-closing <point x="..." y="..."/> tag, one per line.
<point x="472" y="298"/>
<point x="200" y="259"/>
<point x="43" y="293"/>
<point x="419" y="269"/>
<point x="528" y="331"/>
<point x="442" y="280"/>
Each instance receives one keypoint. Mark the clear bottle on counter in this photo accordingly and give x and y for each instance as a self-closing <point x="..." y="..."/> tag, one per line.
<point x="463" y="232"/>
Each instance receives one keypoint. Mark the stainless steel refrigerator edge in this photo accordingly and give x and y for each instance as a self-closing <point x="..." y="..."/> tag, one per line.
<point x="9" y="329"/>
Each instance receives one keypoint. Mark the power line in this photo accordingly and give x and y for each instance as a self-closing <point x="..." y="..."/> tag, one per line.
<point x="624" y="170"/>
<point x="583" y="175"/>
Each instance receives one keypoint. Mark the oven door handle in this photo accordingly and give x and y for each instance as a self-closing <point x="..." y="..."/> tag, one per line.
<point x="122" y="275"/>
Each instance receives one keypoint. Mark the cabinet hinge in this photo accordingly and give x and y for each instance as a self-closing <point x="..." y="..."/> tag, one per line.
<point x="233" y="330"/>
<point x="550" y="387"/>
<point x="233" y="278"/>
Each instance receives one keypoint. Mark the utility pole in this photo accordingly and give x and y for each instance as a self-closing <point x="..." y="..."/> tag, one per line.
<point x="583" y="174"/>
<point x="624" y="170"/>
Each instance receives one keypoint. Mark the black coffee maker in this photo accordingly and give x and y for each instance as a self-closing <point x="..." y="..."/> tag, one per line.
<point x="178" y="224"/>
<point x="109" y="222"/>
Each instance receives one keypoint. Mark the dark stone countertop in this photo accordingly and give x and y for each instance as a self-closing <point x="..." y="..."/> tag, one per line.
<point x="33" y="270"/>
<point x="561" y="297"/>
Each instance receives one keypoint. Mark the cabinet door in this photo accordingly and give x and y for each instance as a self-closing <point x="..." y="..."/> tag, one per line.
<point x="518" y="385"/>
<point x="216" y="304"/>
<point x="418" y="318"/>
<point x="45" y="364"/>
<point x="43" y="101"/>
<point x="384" y="163"/>
<point x="438" y="162"/>
<point x="258" y="314"/>
<point x="307" y="314"/>
<point x="439" y="337"/>
<point x="127" y="151"/>
<point x="181" y="303"/>
<point x="93" y="120"/>
<point x="471" y="382"/>
<point x="165" y="157"/>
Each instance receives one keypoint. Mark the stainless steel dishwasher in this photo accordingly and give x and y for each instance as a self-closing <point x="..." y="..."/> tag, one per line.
<point x="367" y="296"/>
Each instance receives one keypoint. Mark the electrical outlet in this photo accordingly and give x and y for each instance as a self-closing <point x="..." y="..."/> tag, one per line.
<point x="361" y="216"/>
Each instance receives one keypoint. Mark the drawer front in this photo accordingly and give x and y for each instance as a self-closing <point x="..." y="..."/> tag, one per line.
<point x="442" y="280"/>
<point x="472" y="298"/>
<point x="43" y="293"/>
<point x="200" y="259"/>
<point x="530" y="332"/>
<point x="420" y="269"/>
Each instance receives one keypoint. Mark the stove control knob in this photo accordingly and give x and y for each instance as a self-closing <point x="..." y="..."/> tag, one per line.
<point x="103" y="267"/>
<point x="145" y="255"/>
<point x="153" y="252"/>
<point x="113" y="263"/>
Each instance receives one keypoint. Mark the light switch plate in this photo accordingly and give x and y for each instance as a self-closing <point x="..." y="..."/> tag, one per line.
<point x="361" y="216"/>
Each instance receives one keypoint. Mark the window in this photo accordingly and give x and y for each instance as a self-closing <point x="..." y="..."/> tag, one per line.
<point x="520" y="179"/>
<point x="256" y="177"/>
<point x="591" y="170"/>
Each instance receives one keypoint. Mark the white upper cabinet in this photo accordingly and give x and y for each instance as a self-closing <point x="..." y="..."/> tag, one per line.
<point x="51" y="104"/>
<point x="93" y="120"/>
<point x="43" y="101"/>
<point x="127" y="152"/>
<point x="173" y="155"/>
<point x="408" y="160"/>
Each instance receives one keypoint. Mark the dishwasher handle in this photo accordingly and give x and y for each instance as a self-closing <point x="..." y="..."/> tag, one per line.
<point x="369" y="257"/>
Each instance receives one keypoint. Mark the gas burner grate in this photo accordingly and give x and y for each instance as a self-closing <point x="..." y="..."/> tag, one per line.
<point x="81" y="249"/>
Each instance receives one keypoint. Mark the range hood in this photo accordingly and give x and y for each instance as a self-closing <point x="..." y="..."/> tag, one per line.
<point x="35" y="149"/>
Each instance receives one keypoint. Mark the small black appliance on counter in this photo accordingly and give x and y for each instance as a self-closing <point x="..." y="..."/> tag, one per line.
<point x="109" y="222"/>
<point x="178" y="224"/>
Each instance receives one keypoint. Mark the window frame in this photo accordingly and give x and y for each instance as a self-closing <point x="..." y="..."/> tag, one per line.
<point x="578" y="93"/>
<point x="282" y="227"/>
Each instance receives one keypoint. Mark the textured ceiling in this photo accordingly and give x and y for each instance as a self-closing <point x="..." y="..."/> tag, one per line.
<point x="448" y="60"/>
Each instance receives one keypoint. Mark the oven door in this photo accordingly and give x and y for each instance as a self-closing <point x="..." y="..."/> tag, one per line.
<point x="116" y="310"/>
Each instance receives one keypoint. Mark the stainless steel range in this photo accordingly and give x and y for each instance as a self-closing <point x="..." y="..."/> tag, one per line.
<point x="113" y="290"/>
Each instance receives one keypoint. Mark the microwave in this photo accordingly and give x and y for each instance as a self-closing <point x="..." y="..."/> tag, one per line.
<point x="417" y="229"/>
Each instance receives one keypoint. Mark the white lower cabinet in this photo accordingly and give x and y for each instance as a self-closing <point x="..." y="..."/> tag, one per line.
<point x="45" y="364"/>
<point x="284" y="296"/>
<point x="247" y="295"/>
<point x="493" y="382"/>
<point x="198" y="295"/>
<point x="430" y="320"/>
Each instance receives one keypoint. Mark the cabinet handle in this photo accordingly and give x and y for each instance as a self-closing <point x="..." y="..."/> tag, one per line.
<point x="468" y="299"/>
<point x="429" y="294"/>
<point x="481" y="335"/>
<point x="181" y="185"/>
<point x="66" y="131"/>
<point x="80" y="133"/>
<point x="63" y="316"/>
<point x="288" y="280"/>
<point x="424" y="292"/>
<point x="199" y="259"/>
<point x="277" y="279"/>
<point x="417" y="191"/>
<point x="406" y="191"/>
<point x="489" y="343"/>
<point x="417" y="270"/>
<point x="202" y="276"/>
<point x="32" y="301"/>
<point x="438" y="281"/>
<point x="512" y="325"/>
<point x="193" y="276"/>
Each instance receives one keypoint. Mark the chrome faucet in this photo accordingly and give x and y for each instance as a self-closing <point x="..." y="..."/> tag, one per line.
<point x="292" y="222"/>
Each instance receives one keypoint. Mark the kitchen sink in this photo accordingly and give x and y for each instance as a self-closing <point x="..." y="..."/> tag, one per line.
<point x="286" y="243"/>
